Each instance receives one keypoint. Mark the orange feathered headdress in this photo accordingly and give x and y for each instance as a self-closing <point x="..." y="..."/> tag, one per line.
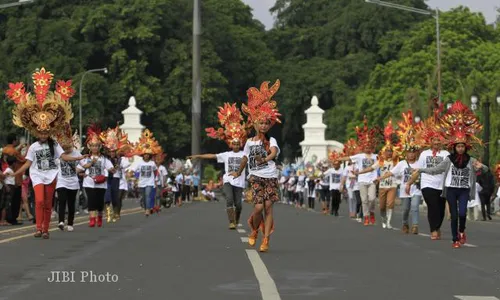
<point x="408" y="132"/>
<point x="367" y="137"/>
<point x="334" y="156"/>
<point x="351" y="148"/>
<point x="65" y="137"/>
<point x="261" y="106"/>
<point x="147" y="144"/>
<point x="497" y="172"/>
<point x="45" y="111"/>
<point x="233" y="127"/>
<point x="460" y="125"/>
<point x="115" y="139"/>
<point x="93" y="133"/>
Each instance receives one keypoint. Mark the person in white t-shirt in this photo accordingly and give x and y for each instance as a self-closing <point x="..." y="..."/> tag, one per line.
<point x="233" y="186"/>
<point x="260" y="154"/>
<point x="9" y="183"/>
<point x="367" y="188"/>
<point x="336" y="182"/>
<point x="160" y="179"/>
<point x="147" y="170"/>
<point x="41" y="161"/>
<point x="68" y="183"/>
<point x="95" y="170"/>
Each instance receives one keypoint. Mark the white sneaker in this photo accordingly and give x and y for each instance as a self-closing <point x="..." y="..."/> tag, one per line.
<point x="61" y="226"/>
<point x="70" y="228"/>
<point x="389" y="226"/>
<point x="384" y="225"/>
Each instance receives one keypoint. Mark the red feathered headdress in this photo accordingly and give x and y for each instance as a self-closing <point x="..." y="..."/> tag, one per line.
<point x="460" y="125"/>
<point x="233" y="127"/>
<point x="351" y="148"/>
<point x="261" y="106"/>
<point x="408" y="132"/>
<point x="367" y="137"/>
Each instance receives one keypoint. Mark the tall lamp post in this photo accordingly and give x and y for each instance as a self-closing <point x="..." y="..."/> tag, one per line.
<point x="434" y="14"/>
<point x="105" y="70"/>
<point x="18" y="3"/>
<point x="196" y="88"/>
<point x="486" y="133"/>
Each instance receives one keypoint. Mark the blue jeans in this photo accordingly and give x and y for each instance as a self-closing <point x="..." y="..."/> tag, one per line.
<point x="413" y="203"/>
<point x="457" y="200"/>
<point x="146" y="196"/>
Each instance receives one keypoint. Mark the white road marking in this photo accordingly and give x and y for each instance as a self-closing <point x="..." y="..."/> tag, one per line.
<point x="244" y="239"/>
<point x="241" y="230"/>
<point x="476" y="297"/>
<point x="424" y="234"/>
<point x="268" y="288"/>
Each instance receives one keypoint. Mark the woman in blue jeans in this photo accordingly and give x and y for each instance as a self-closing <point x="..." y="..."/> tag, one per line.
<point x="459" y="168"/>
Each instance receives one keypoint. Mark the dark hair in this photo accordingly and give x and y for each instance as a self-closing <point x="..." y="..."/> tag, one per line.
<point x="11" y="160"/>
<point x="51" y="143"/>
<point x="11" y="138"/>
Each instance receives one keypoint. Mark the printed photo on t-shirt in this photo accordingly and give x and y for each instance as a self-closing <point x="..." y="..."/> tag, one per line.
<point x="460" y="177"/>
<point x="68" y="168"/>
<point x="407" y="174"/>
<point x="433" y="161"/>
<point x="257" y="150"/>
<point x="233" y="164"/>
<point x="146" y="171"/>
<point x="336" y="178"/>
<point x="44" y="160"/>
<point x="96" y="169"/>
<point x="387" y="181"/>
<point x="367" y="162"/>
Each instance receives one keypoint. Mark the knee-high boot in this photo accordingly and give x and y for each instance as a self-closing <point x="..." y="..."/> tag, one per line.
<point x="389" y="217"/>
<point x="230" y="216"/>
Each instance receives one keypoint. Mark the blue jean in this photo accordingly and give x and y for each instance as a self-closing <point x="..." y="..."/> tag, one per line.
<point x="411" y="204"/>
<point x="146" y="196"/>
<point x="457" y="200"/>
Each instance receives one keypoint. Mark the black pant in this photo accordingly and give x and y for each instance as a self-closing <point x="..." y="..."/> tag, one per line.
<point x="66" y="196"/>
<point x="15" y="204"/>
<point x="95" y="199"/>
<point x="335" y="194"/>
<point x="485" y="201"/>
<point x="359" y="210"/>
<point x="114" y="191"/>
<point x="436" y="206"/>
<point x="311" y="202"/>
<point x="186" y="192"/>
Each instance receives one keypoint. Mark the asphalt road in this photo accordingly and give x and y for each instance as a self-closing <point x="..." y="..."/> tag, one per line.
<point x="188" y="253"/>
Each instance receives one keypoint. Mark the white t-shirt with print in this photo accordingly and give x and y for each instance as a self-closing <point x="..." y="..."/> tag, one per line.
<point x="146" y="173"/>
<point x="351" y="179"/>
<point x="362" y="162"/>
<point x="100" y="167"/>
<point x="403" y="170"/>
<point x="67" y="177"/>
<point x="301" y="184"/>
<point x="256" y="148"/>
<point x="427" y="160"/>
<point x="162" y="173"/>
<point x="9" y="179"/>
<point x="43" y="169"/>
<point x="458" y="178"/>
<point x="232" y="161"/>
<point x="389" y="182"/>
<point x="335" y="177"/>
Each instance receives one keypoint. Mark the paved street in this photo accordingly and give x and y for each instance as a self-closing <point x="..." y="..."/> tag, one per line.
<point x="188" y="253"/>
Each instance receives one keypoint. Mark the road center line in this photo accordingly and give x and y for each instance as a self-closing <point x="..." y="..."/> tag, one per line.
<point x="268" y="288"/>
<point x="244" y="239"/>
<point x="241" y="230"/>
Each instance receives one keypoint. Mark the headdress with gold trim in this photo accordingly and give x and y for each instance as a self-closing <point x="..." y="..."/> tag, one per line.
<point x="334" y="156"/>
<point x="115" y="139"/>
<point x="64" y="136"/>
<point x="160" y="156"/>
<point x="147" y="144"/>
<point x="43" y="111"/>
<point x="93" y="133"/>
<point x="408" y="132"/>
<point x="233" y="129"/>
<point x="429" y="129"/>
<point x="497" y="172"/>
<point x="460" y="125"/>
<point x="389" y="135"/>
<point x="367" y="136"/>
<point x="261" y="106"/>
<point x="351" y="148"/>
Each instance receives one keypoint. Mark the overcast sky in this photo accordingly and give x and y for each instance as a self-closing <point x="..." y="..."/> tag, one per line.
<point x="487" y="7"/>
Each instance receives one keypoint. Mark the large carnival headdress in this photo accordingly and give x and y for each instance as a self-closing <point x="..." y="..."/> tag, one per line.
<point x="367" y="136"/>
<point x="497" y="172"/>
<point x="261" y="106"/>
<point x="408" y="132"/>
<point x="115" y="139"/>
<point x="233" y="127"/>
<point x="460" y="125"/>
<point x="351" y="148"/>
<point x="44" y="111"/>
<point x="388" y="137"/>
<point x="64" y="136"/>
<point x="147" y="144"/>
<point x="334" y="156"/>
<point x="93" y="135"/>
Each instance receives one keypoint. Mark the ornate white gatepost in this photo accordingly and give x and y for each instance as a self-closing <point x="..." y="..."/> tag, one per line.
<point x="314" y="143"/>
<point x="132" y="121"/>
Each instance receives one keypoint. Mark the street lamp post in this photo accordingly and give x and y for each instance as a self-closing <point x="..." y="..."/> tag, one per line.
<point x="18" y="3"/>
<point x="434" y="14"/>
<point x="196" y="88"/>
<point x="105" y="70"/>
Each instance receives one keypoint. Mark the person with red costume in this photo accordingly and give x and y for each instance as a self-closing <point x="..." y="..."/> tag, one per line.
<point x="460" y="126"/>
<point x="43" y="114"/>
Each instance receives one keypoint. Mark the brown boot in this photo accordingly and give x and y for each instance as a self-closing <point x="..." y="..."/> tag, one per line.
<point x="237" y="216"/>
<point x="230" y="216"/>
<point x="405" y="229"/>
<point x="414" y="229"/>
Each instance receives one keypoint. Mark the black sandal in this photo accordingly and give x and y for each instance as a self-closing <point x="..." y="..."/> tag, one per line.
<point x="38" y="234"/>
<point x="45" y="235"/>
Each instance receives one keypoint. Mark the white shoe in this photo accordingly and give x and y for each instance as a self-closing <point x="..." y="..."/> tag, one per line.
<point x="384" y="225"/>
<point x="359" y="220"/>
<point x="389" y="225"/>
<point x="70" y="228"/>
<point x="61" y="226"/>
<point x="389" y="218"/>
